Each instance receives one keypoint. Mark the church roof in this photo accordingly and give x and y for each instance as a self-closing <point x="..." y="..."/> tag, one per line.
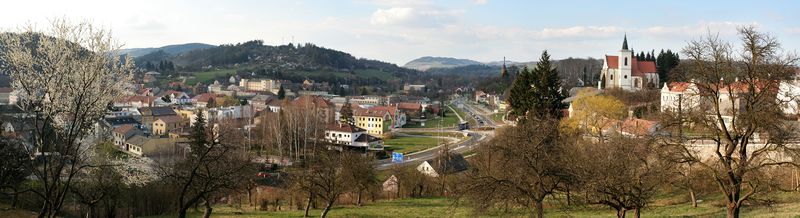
<point x="625" y="43"/>
<point x="638" y="68"/>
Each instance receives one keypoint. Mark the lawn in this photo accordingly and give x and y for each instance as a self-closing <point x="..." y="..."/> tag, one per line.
<point x="450" y="121"/>
<point x="443" y="134"/>
<point x="207" y="77"/>
<point x="408" y="145"/>
<point x="464" y="115"/>
<point x="442" y="207"/>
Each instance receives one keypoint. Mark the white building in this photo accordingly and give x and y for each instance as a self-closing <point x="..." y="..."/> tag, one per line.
<point x="349" y="135"/>
<point x="624" y="71"/>
<point x="683" y="94"/>
<point x="260" y="85"/>
<point x="789" y="97"/>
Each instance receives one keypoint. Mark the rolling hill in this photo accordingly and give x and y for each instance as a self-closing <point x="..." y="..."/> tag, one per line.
<point x="428" y="62"/>
<point x="169" y="49"/>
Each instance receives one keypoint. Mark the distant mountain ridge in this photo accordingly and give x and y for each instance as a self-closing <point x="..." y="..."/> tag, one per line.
<point x="428" y="62"/>
<point x="168" y="49"/>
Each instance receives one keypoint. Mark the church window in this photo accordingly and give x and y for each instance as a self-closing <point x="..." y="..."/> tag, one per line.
<point x="626" y="76"/>
<point x="626" y="61"/>
<point x="612" y="76"/>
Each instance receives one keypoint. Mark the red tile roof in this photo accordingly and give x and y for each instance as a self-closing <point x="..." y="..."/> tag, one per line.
<point x="638" y="127"/>
<point x="205" y="97"/>
<point x="638" y="68"/>
<point x="409" y="106"/>
<point x="343" y="128"/>
<point x="369" y="113"/>
<point x="391" y="110"/>
<point x="678" y="86"/>
<point x="124" y="128"/>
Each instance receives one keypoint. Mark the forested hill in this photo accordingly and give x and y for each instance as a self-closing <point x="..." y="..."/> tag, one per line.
<point x="285" y="58"/>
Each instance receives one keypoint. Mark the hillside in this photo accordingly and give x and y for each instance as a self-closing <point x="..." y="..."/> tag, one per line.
<point x="427" y="62"/>
<point x="291" y="62"/>
<point x="169" y="49"/>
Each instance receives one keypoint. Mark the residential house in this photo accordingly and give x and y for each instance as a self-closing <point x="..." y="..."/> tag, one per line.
<point x="349" y="135"/>
<point x="8" y="96"/>
<point x="162" y="125"/>
<point x="398" y="117"/>
<point x="444" y="164"/>
<point x="205" y="100"/>
<point x="375" y="122"/>
<point x="324" y="109"/>
<point x="149" y="146"/>
<point x="122" y="133"/>
<point x="683" y="95"/>
<point x="260" y="85"/>
<point x="151" y="114"/>
<point x="174" y="97"/>
<point x="635" y="127"/>
<point x="135" y="101"/>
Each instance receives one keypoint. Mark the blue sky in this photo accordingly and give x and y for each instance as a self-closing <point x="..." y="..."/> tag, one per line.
<point x="401" y="30"/>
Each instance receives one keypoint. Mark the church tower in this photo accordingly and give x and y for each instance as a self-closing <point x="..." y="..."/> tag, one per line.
<point x="625" y="61"/>
<point x="503" y="71"/>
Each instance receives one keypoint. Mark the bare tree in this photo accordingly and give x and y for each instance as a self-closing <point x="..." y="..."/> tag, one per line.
<point x="66" y="76"/>
<point x="745" y="130"/>
<point x="522" y="165"/>
<point x="217" y="162"/>
<point x="622" y="173"/>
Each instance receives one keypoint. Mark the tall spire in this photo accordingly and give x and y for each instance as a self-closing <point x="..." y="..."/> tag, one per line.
<point x="503" y="71"/>
<point x="625" y="42"/>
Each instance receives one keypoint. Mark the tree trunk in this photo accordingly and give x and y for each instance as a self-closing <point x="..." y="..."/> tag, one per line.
<point x="539" y="208"/>
<point x="621" y="213"/>
<point x="733" y="210"/>
<point x="694" y="198"/>
<point x="327" y="208"/>
<point x="569" y="199"/>
<point x="636" y="212"/>
<point x="207" y="214"/>
<point x="182" y="212"/>
<point x="358" y="202"/>
<point x="308" y="205"/>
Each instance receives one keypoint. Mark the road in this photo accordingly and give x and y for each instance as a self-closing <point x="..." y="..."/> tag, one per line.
<point x="476" y="137"/>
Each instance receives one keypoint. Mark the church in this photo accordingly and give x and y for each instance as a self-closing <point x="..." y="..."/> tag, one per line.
<point x="624" y="71"/>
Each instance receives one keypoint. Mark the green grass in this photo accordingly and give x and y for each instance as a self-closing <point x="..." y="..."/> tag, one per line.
<point x="442" y="207"/>
<point x="408" y="145"/>
<point x="450" y="121"/>
<point x="443" y="134"/>
<point x="207" y="77"/>
<point x="498" y="117"/>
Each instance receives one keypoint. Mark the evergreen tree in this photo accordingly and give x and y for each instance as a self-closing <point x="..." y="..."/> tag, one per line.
<point x="364" y="91"/>
<point x="199" y="132"/>
<point x="537" y="92"/>
<point x="281" y="93"/>
<point x="665" y="62"/>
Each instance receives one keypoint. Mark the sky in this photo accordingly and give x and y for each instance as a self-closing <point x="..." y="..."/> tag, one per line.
<point x="398" y="31"/>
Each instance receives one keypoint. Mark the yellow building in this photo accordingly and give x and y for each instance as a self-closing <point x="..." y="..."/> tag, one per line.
<point x="375" y="122"/>
<point x="164" y="124"/>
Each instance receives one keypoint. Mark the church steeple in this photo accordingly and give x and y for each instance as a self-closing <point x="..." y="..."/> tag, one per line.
<point x="625" y="42"/>
<point x="503" y="71"/>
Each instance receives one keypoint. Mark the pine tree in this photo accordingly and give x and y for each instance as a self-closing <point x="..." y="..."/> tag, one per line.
<point x="537" y="92"/>
<point x="281" y="93"/>
<point x="199" y="138"/>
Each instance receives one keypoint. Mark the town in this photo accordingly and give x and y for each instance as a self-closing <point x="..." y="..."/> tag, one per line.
<point x="704" y="128"/>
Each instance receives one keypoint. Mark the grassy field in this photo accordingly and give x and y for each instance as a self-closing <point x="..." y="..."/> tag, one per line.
<point x="465" y="116"/>
<point x="444" y="134"/>
<point x="207" y="77"/>
<point x="450" y="121"/>
<point x="410" y="144"/>
<point x="442" y="207"/>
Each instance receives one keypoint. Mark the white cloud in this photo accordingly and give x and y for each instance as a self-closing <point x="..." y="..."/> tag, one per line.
<point x="414" y="17"/>
<point x="480" y="2"/>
